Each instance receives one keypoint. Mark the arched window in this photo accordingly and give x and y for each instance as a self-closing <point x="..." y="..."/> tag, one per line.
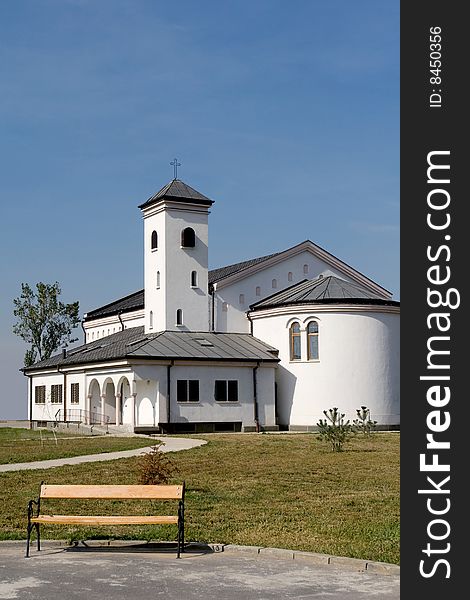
<point x="241" y="298"/>
<point x="274" y="283"/>
<point x="158" y="280"/>
<point x="154" y="244"/>
<point x="305" y="269"/>
<point x="188" y="238"/>
<point x="179" y="316"/>
<point x="151" y="320"/>
<point x="312" y="341"/>
<point x="258" y="290"/>
<point x="294" y="333"/>
<point x="289" y="276"/>
<point x="193" y="279"/>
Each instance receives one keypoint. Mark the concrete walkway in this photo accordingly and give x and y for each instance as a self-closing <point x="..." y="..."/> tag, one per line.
<point x="141" y="573"/>
<point x="170" y="445"/>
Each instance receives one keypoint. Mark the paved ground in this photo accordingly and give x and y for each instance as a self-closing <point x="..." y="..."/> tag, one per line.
<point x="170" y="445"/>
<point x="140" y="573"/>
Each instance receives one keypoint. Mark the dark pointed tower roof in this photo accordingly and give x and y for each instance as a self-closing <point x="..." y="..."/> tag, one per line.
<point x="178" y="191"/>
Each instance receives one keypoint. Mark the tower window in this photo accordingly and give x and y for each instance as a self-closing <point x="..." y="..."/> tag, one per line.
<point x="151" y="320"/>
<point x="158" y="280"/>
<point x="179" y="316"/>
<point x="294" y="334"/>
<point x="305" y="269"/>
<point x="188" y="238"/>
<point x="242" y="298"/>
<point x="193" y="279"/>
<point x="289" y="276"/>
<point x="224" y="306"/>
<point x="154" y="243"/>
<point x="258" y="290"/>
<point x="274" y="284"/>
<point x="312" y="341"/>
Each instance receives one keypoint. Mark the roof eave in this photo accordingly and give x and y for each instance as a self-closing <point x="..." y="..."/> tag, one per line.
<point x="338" y="301"/>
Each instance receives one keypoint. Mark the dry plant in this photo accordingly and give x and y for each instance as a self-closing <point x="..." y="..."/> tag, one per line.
<point x="155" y="467"/>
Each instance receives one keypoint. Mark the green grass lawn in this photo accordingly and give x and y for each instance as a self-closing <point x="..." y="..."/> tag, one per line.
<point x="25" y="445"/>
<point x="281" y="490"/>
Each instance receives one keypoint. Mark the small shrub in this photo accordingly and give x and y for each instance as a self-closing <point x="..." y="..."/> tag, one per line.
<point x="363" y="422"/>
<point x="155" y="467"/>
<point x="335" y="430"/>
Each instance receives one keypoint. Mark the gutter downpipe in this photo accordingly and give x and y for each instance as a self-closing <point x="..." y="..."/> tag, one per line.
<point x="168" y="392"/>
<point x="64" y="355"/>
<point x="83" y="328"/>
<point x="30" y="400"/>
<point x="251" y="322"/>
<point x="212" y="293"/>
<point x="255" y="398"/>
<point x="119" y="317"/>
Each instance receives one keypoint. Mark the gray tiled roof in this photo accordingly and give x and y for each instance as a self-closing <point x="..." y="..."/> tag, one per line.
<point x="129" y="303"/>
<point x="223" y="272"/>
<point x="134" y="344"/>
<point x="332" y="290"/>
<point x="179" y="191"/>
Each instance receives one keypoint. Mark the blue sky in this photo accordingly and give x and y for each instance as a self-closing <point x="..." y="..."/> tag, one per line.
<point x="284" y="113"/>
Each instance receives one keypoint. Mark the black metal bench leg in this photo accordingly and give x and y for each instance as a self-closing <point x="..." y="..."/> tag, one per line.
<point x="182" y="536"/>
<point x="178" y="552"/>
<point x="28" y="540"/>
<point x="39" y="537"/>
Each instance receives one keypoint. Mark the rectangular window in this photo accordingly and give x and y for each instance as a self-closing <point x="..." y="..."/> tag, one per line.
<point x="187" y="390"/>
<point x="40" y="394"/>
<point x="74" y="393"/>
<point x="56" y="394"/>
<point x="226" y="391"/>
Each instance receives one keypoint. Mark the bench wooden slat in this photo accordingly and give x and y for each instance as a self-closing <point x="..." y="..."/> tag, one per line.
<point x="124" y="492"/>
<point x="105" y="520"/>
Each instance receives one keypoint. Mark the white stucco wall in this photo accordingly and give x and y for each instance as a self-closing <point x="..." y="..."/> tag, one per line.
<point x="144" y="400"/>
<point x="209" y="410"/>
<point x="47" y="411"/>
<point x="234" y="318"/>
<point x="99" y="328"/>
<point x="175" y="265"/>
<point x="358" y="364"/>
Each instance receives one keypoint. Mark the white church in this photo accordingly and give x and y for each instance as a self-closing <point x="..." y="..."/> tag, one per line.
<point x="262" y="345"/>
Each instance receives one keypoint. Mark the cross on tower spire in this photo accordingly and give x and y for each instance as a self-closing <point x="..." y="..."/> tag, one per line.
<point x="175" y="164"/>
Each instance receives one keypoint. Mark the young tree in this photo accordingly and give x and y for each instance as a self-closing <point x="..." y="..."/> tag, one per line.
<point x="44" y="321"/>
<point x="336" y="430"/>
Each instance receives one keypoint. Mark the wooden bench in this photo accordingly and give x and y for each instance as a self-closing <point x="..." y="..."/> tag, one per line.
<point x="109" y="492"/>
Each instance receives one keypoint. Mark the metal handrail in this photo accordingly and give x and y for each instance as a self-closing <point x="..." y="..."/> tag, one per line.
<point x="80" y="415"/>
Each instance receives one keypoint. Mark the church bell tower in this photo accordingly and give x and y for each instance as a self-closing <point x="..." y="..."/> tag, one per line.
<point x="176" y="259"/>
